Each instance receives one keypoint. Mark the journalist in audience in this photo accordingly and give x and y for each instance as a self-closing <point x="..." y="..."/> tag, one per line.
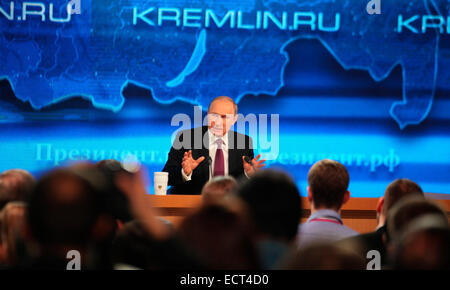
<point x="274" y="207"/>
<point x="418" y="227"/>
<point x="220" y="238"/>
<point x="407" y="210"/>
<point x="15" y="185"/>
<point x="377" y="240"/>
<point x="325" y="257"/>
<point x="328" y="182"/>
<point x="66" y="212"/>
<point x="424" y="244"/>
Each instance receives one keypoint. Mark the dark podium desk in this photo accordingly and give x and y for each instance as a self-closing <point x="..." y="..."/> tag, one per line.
<point x="359" y="213"/>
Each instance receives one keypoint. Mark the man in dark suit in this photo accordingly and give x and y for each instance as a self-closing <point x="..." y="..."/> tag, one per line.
<point x="201" y="153"/>
<point x="378" y="240"/>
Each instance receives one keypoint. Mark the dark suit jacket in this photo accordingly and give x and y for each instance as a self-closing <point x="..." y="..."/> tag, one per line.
<point x="371" y="241"/>
<point x="195" y="140"/>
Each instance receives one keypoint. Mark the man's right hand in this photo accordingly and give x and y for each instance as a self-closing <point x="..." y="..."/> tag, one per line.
<point x="189" y="163"/>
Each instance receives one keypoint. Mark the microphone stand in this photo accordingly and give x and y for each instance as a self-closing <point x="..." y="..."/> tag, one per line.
<point x="210" y="166"/>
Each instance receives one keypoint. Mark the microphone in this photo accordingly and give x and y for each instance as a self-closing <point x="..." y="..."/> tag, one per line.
<point x="210" y="166"/>
<point x="247" y="159"/>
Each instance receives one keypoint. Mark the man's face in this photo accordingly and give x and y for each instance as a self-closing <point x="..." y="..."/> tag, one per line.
<point x="221" y="117"/>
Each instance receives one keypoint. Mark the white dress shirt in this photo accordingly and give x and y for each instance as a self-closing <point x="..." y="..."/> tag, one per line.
<point x="212" y="153"/>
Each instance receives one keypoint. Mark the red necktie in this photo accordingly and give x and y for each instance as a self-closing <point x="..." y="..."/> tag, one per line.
<point x="219" y="163"/>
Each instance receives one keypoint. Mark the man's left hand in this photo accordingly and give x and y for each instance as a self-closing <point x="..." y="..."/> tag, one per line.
<point x="249" y="169"/>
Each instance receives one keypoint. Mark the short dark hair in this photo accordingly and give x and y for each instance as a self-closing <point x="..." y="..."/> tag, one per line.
<point x="63" y="209"/>
<point x="328" y="181"/>
<point x="274" y="203"/>
<point x="398" y="189"/>
<point x="15" y="185"/>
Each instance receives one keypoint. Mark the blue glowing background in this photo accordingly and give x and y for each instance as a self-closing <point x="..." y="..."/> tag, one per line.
<point x="101" y="85"/>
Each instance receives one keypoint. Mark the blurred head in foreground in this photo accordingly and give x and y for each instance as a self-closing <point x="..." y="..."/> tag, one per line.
<point x="15" y="185"/>
<point x="409" y="209"/>
<point x="13" y="233"/>
<point x="66" y="212"/>
<point x="418" y="230"/>
<point x="218" y="188"/>
<point x="424" y="245"/>
<point x="220" y="238"/>
<point x="274" y="204"/>
<point x="325" y="257"/>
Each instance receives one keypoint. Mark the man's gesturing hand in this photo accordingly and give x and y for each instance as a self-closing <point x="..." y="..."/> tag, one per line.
<point x="249" y="169"/>
<point x="189" y="163"/>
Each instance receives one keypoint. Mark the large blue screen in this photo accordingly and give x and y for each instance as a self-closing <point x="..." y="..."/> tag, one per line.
<point x="363" y="82"/>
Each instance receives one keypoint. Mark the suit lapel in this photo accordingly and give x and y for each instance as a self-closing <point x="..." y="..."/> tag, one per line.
<point x="205" y="152"/>
<point x="232" y="153"/>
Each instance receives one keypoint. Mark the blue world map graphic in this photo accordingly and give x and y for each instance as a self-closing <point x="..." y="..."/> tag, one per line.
<point x="193" y="50"/>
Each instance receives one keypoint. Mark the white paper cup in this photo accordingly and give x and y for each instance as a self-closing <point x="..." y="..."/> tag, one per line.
<point x="160" y="180"/>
